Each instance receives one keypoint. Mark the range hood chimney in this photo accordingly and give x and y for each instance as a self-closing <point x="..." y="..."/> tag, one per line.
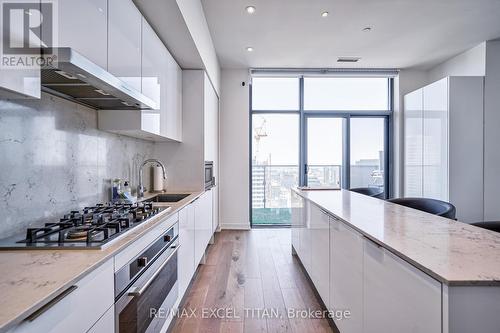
<point x="74" y="77"/>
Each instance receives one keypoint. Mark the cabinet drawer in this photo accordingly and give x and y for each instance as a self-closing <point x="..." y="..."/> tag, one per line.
<point x="139" y="245"/>
<point x="397" y="296"/>
<point x="77" y="308"/>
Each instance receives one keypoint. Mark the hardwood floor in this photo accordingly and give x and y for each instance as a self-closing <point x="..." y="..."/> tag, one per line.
<point x="248" y="283"/>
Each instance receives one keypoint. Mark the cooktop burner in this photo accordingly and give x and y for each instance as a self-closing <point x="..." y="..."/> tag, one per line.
<point x="92" y="227"/>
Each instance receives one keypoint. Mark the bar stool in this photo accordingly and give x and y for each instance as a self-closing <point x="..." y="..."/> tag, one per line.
<point x="488" y="225"/>
<point x="374" y="192"/>
<point x="432" y="206"/>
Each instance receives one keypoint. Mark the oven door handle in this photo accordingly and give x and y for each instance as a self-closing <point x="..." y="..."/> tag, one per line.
<point x="138" y="291"/>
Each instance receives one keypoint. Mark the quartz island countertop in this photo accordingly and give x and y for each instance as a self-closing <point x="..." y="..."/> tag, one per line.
<point x="31" y="278"/>
<point x="452" y="252"/>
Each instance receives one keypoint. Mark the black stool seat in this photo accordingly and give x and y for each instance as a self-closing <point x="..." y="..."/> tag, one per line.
<point x="489" y="225"/>
<point x="375" y="192"/>
<point x="433" y="206"/>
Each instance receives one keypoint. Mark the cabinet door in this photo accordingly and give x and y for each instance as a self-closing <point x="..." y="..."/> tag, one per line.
<point x="82" y="25"/>
<point x="413" y="122"/>
<point x="346" y="275"/>
<point x="435" y="141"/>
<point x="124" y="42"/>
<point x="153" y="66"/>
<point x="186" y="250"/>
<point x="106" y="323"/>
<point x="397" y="296"/>
<point x="17" y="81"/>
<point x="305" y="238"/>
<point x="297" y="220"/>
<point x="203" y="224"/>
<point x="79" y="307"/>
<point x="320" y="252"/>
<point x="171" y="110"/>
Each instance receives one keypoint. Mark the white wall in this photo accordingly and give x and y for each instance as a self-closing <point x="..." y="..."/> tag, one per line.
<point x="469" y="63"/>
<point x="193" y="14"/>
<point x="492" y="132"/>
<point x="234" y="150"/>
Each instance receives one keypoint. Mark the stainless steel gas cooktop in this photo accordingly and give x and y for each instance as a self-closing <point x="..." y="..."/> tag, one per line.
<point x="91" y="228"/>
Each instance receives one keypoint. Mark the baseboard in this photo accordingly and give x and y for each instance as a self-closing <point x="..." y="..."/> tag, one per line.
<point x="235" y="226"/>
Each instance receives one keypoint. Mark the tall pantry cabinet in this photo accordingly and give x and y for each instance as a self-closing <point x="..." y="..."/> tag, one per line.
<point x="443" y="142"/>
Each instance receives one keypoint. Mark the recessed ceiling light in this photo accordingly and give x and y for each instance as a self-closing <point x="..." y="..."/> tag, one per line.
<point x="367" y="29"/>
<point x="325" y="14"/>
<point x="249" y="48"/>
<point x="250" y="9"/>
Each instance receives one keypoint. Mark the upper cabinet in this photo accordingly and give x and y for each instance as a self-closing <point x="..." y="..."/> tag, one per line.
<point x="82" y="25"/>
<point x="124" y="42"/>
<point x="139" y="57"/>
<point x="18" y="81"/>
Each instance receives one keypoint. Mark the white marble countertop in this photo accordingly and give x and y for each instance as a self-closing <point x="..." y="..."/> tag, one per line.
<point x="31" y="278"/>
<point x="452" y="252"/>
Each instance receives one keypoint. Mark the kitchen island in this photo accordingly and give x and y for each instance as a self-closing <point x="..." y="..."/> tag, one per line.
<point x="396" y="269"/>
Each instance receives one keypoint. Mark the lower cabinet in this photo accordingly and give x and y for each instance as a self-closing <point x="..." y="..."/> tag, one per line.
<point x="397" y="297"/>
<point x="320" y="244"/>
<point x="203" y="212"/>
<point x="106" y="324"/>
<point x="305" y="237"/>
<point x="186" y="261"/>
<point x="366" y="287"/>
<point x="77" y="308"/>
<point x="346" y="275"/>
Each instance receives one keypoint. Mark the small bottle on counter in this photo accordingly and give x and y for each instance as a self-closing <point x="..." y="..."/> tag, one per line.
<point x="116" y="189"/>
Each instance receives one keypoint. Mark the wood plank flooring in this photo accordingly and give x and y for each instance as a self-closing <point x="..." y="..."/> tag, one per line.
<point x="250" y="278"/>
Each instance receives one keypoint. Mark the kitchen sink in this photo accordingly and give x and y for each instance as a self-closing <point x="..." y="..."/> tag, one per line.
<point x="167" y="197"/>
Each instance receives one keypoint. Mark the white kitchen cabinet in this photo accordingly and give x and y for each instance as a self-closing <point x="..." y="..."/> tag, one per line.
<point x="78" y="307"/>
<point x="203" y="211"/>
<point x="435" y="141"/>
<point x="186" y="252"/>
<point x="346" y="275"/>
<point x="296" y="220"/>
<point x="413" y="121"/>
<point x="106" y="323"/>
<point x="17" y="82"/>
<point x="82" y="25"/>
<point x="320" y="252"/>
<point x="305" y="238"/>
<point x="211" y="138"/>
<point x="161" y="81"/>
<point x="444" y="124"/>
<point x="397" y="297"/>
<point x="124" y="42"/>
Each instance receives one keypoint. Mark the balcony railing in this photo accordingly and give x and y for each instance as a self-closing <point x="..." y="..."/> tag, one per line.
<point x="271" y="185"/>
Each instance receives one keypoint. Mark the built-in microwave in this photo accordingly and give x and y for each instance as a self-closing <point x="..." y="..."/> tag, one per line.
<point x="209" y="174"/>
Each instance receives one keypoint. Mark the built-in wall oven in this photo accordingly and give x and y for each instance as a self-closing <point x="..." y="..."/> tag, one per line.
<point x="209" y="175"/>
<point x="146" y="288"/>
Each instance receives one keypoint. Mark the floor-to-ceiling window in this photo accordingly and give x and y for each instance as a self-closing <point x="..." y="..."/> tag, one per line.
<point x="316" y="131"/>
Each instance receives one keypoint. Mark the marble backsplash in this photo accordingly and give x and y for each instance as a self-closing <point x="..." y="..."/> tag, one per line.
<point x="54" y="159"/>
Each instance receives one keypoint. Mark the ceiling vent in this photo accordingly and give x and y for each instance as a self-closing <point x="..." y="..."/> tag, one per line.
<point x="348" y="59"/>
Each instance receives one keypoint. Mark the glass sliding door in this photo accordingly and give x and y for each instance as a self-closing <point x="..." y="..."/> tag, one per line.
<point x="324" y="151"/>
<point x="275" y="149"/>
<point x="367" y="152"/>
<point x="316" y="131"/>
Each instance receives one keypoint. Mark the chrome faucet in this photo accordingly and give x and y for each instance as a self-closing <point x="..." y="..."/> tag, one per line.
<point x="140" y="188"/>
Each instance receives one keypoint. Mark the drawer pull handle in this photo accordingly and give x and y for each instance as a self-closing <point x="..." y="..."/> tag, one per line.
<point x="50" y="304"/>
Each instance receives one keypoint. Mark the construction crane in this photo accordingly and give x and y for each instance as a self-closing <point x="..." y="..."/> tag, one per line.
<point x="259" y="132"/>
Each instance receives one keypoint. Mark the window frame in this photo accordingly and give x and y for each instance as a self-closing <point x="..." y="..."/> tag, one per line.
<point x="387" y="115"/>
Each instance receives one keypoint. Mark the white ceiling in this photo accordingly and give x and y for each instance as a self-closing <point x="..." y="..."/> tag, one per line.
<point x="292" y="33"/>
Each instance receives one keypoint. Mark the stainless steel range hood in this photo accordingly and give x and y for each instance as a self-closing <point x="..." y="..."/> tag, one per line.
<point x="74" y="77"/>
